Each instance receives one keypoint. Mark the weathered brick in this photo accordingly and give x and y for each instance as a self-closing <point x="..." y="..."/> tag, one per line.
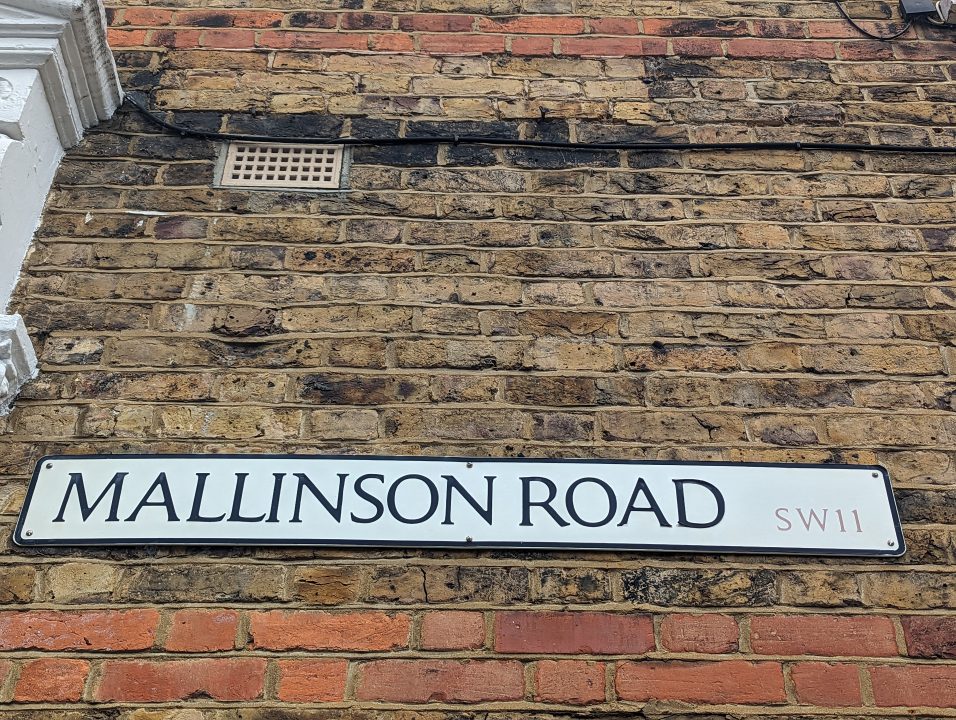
<point x="452" y="425"/>
<point x="81" y="582"/>
<point x="109" y="630"/>
<point x="827" y="684"/>
<point x="452" y="630"/>
<point x="397" y="584"/>
<point x="579" y="585"/>
<point x="570" y="682"/>
<point x="562" y="426"/>
<point x="909" y="590"/>
<point x="16" y="583"/>
<point x="283" y="630"/>
<point x="914" y="685"/>
<point x="823" y="635"/>
<point x="461" y="44"/>
<point x="687" y="587"/>
<point x="699" y="633"/>
<point x="51" y="680"/>
<point x="613" y="47"/>
<point x="202" y="630"/>
<point x="929" y="636"/>
<point x="207" y="583"/>
<point x="146" y="681"/>
<point x="328" y="585"/>
<point x="573" y="632"/>
<point x="477" y="584"/>
<point x="734" y="681"/>
<point x="423" y="681"/>
<point x="311" y="680"/>
<point x="820" y="589"/>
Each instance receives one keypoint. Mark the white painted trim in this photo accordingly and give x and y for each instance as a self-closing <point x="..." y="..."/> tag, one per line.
<point x="18" y="362"/>
<point x="65" y="41"/>
<point x="30" y="152"/>
<point x="57" y="78"/>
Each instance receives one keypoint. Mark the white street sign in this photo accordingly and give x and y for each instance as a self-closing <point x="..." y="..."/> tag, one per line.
<point x="460" y="502"/>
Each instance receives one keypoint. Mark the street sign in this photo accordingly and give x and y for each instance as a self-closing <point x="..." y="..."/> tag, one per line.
<point x="461" y="502"/>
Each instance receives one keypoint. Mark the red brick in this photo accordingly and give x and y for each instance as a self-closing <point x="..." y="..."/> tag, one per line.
<point x="533" y="25"/>
<point x="831" y="29"/>
<point x="931" y="52"/>
<point x="827" y="684"/>
<point x="613" y="47"/>
<point x="699" y="633"/>
<point x="532" y="45"/>
<point x="147" y="17"/>
<point x="217" y="679"/>
<point x="228" y="39"/>
<point x="202" y="630"/>
<point x="94" y="630"/>
<point x="366" y="21"/>
<point x="174" y="38"/>
<point x="254" y="19"/>
<point x="839" y="29"/>
<point x="614" y="26"/>
<point x="779" y="49"/>
<point x="734" y="681"/>
<point x="205" y="18"/>
<point x="453" y="630"/>
<point x="930" y="637"/>
<point x="914" y="685"/>
<point x="697" y="27"/>
<point x="462" y="44"/>
<point x="422" y="681"/>
<point x="779" y="29"/>
<point x="573" y="632"/>
<point x="313" y="20"/>
<point x="573" y="682"/>
<point x="125" y="38"/>
<point x="391" y="42"/>
<point x="436" y="23"/>
<point x="283" y="630"/>
<point x="696" y="47"/>
<point x="313" y="40"/>
<point x="51" y="680"/>
<point x="866" y="50"/>
<point x="312" y="680"/>
<point x="823" y="635"/>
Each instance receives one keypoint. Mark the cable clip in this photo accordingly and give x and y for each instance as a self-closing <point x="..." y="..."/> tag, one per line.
<point x="943" y="10"/>
<point x="456" y="139"/>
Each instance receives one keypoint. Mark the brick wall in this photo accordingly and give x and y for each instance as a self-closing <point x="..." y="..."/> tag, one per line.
<point x="481" y="300"/>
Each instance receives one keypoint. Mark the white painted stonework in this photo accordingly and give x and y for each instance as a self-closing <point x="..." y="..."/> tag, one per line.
<point x="57" y="78"/>
<point x="30" y="152"/>
<point x="18" y="363"/>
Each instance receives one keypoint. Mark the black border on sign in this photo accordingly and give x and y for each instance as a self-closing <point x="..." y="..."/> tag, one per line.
<point x="897" y="551"/>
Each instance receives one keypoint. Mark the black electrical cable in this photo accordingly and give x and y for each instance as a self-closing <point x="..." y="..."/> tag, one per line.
<point x="515" y="142"/>
<point x="864" y="31"/>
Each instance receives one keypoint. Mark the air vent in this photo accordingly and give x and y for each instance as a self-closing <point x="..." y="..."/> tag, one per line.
<point x="282" y="165"/>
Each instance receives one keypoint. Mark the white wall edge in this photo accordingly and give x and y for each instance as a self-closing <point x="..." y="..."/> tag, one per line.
<point x="18" y="362"/>
<point x="57" y="78"/>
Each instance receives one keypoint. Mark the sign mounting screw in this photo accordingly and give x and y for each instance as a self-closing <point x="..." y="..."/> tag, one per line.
<point x="49" y="465"/>
<point x="890" y="543"/>
<point x="29" y="533"/>
<point x="876" y="475"/>
<point x="470" y="464"/>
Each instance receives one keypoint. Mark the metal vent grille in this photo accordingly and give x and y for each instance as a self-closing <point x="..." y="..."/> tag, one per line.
<point x="282" y="165"/>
